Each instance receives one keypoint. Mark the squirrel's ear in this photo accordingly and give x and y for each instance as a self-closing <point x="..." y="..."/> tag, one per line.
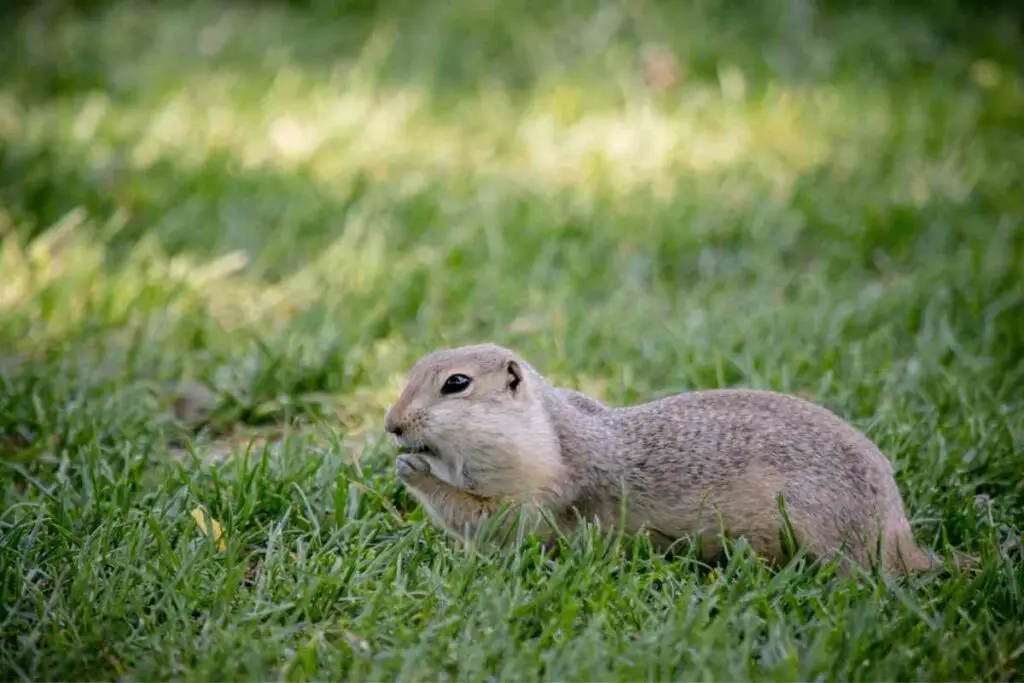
<point x="515" y="376"/>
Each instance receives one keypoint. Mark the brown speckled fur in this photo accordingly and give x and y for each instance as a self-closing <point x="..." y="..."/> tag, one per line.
<point x="690" y="466"/>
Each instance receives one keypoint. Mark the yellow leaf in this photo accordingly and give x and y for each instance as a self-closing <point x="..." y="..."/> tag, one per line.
<point x="209" y="526"/>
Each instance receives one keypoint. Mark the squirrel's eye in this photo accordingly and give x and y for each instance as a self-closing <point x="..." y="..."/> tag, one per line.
<point x="455" y="384"/>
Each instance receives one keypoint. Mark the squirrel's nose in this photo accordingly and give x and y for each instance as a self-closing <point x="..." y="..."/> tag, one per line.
<point x="391" y="425"/>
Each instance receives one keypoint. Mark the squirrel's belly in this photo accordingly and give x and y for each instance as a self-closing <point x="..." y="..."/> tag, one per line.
<point x="667" y="519"/>
<point x="746" y="505"/>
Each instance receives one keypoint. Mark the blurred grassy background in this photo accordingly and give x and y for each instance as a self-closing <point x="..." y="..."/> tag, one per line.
<point x="290" y="202"/>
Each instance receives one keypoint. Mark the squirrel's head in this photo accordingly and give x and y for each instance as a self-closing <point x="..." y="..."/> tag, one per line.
<point x="479" y="410"/>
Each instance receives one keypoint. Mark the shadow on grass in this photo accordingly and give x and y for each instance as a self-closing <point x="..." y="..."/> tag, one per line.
<point x="458" y="47"/>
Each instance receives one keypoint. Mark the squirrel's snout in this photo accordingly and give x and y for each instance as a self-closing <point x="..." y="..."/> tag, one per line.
<point x="391" y="425"/>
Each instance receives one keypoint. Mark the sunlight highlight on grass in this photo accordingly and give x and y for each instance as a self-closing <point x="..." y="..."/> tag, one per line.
<point x="344" y="119"/>
<point x="336" y="132"/>
<point x="344" y="124"/>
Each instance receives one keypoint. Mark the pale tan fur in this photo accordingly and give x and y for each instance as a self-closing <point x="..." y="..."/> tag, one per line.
<point x="697" y="465"/>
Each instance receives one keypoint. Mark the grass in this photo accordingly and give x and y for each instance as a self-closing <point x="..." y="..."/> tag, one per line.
<point x="290" y="203"/>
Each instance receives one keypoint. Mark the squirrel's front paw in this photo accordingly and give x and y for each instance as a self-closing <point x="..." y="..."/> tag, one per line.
<point x="412" y="467"/>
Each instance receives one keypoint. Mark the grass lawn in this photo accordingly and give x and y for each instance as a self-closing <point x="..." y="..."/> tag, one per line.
<point x="289" y="203"/>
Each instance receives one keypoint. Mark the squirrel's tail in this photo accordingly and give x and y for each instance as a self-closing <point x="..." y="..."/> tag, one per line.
<point x="903" y="555"/>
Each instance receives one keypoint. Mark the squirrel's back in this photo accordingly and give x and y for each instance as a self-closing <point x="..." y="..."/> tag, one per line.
<point x="721" y="431"/>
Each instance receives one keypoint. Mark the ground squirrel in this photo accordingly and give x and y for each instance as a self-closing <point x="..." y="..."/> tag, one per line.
<point x="479" y="427"/>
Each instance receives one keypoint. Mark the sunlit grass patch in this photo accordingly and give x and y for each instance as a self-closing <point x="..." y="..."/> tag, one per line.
<point x="597" y="131"/>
